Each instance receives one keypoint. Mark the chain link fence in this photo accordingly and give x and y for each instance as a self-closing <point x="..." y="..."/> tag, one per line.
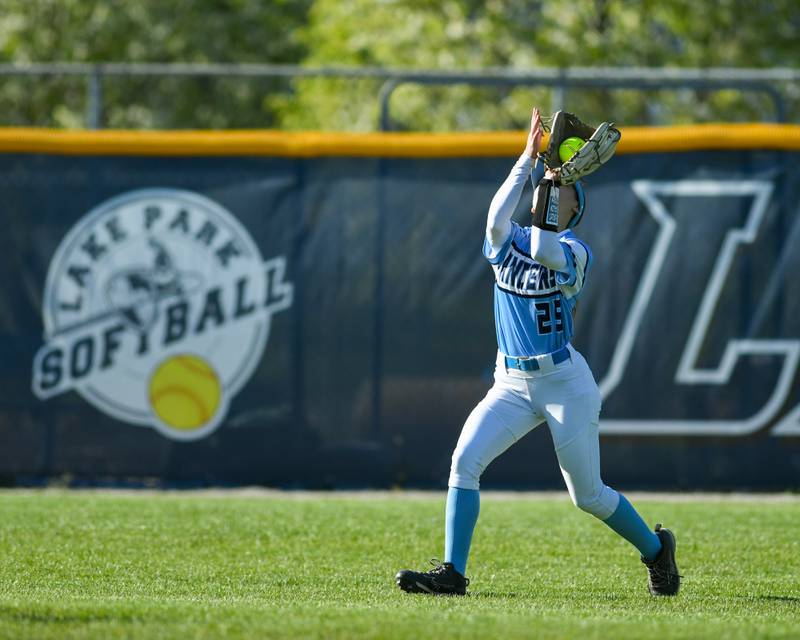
<point x="227" y="95"/>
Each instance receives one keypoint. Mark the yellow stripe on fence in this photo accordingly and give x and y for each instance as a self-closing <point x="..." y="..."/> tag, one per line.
<point x="387" y="145"/>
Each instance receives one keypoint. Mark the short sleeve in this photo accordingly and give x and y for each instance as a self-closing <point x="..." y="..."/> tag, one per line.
<point x="495" y="255"/>
<point x="578" y="258"/>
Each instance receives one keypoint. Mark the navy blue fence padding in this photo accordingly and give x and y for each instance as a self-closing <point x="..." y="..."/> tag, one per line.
<point x="328" y="322"/>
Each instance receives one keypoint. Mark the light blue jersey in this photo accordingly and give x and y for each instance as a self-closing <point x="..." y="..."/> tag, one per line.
<point x="533" y="305"/>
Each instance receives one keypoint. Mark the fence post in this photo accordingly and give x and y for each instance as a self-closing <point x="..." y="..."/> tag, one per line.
<point x="94" y="110"/>
<point x="559" y="98"/>
<point x="384" y="96"/>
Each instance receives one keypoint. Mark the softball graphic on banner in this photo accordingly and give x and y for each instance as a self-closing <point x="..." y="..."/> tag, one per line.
<point x="185" y="392"/>
<point x="157" y="309"/>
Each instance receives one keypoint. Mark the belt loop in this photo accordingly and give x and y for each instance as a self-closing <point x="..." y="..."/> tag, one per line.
<point x="546" y="364"/>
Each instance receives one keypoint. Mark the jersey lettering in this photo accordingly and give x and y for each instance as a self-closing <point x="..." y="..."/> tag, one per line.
<point x="522" y="275"/>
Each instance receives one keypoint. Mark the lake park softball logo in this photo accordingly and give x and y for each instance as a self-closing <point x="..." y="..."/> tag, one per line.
<point x="157" y="309"/>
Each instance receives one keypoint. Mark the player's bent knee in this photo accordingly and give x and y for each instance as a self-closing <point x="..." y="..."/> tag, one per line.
<point x="465" y="470"/>
<point x="587" y="503"/>
<point x="598" y="503"/>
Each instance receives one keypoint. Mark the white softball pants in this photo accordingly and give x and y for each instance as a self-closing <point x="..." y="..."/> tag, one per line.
<point x="567" y="397"/>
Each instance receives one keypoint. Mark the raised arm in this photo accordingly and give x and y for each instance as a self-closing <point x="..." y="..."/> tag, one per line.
<point x="546" y="248"/>
<point x="505" y="201"/>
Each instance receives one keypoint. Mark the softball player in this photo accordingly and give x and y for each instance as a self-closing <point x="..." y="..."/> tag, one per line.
<point x="539" y="377"/>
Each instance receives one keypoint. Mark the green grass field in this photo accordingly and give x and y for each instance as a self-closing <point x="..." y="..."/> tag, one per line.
<point x="99" y="565"/>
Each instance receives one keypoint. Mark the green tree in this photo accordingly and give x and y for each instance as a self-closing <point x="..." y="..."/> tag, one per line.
<point x="147" y="31"/>
<point x="517" y="34"/>
<point x="417" y="34"/>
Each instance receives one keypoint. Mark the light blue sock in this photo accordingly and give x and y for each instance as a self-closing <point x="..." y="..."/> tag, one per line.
<point x="629" y="524"/>
<point x="461" y="515"/>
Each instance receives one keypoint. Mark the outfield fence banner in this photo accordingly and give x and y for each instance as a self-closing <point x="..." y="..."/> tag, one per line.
<point x="313" y="310"/>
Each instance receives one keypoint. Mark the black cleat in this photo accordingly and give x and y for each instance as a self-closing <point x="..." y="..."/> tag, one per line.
<point x="664" y="579"/>
<point x="443" y="579"/>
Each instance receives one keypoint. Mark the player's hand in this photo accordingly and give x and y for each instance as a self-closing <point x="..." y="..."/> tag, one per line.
<point x="535" y="134"/>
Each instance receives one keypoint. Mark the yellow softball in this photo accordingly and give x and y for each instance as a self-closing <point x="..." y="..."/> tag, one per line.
<point x="184" y="392"/>
<point x="569" y="147"/>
